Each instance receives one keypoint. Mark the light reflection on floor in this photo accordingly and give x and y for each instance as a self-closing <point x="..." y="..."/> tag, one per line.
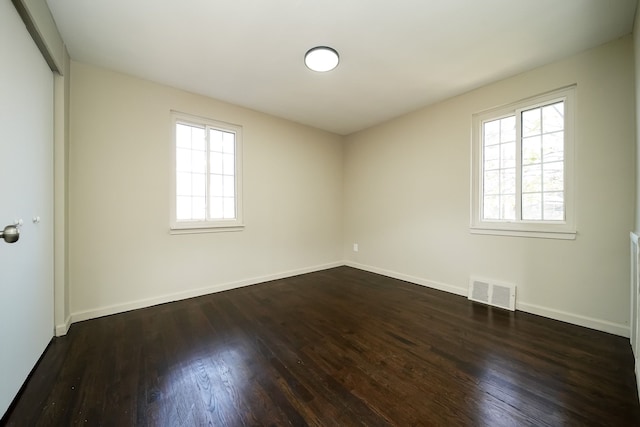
<point x="215" y="377"/>
<point x="504" y="381"/>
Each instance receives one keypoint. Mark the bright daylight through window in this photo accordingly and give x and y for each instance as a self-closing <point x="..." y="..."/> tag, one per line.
<point x="522" y="179"/>
<point x="207" y="176"/>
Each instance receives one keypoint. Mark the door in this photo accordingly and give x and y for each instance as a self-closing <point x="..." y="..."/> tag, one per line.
<point x="26" y="193"/>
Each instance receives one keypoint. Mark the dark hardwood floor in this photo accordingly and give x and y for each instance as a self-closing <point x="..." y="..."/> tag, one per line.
<point x="339" y="347"/>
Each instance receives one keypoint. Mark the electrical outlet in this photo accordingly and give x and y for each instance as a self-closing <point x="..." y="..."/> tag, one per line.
<point x="355" y="247"/>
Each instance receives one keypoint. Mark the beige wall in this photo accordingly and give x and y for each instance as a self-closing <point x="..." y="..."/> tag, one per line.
<point x="400" y="190"/>
<point x="407" y="196"/>
<point x="121" y="255"/>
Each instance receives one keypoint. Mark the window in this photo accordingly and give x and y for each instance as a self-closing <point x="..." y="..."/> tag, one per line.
<point x="206" y="175"/>
<point x="523" y="167"/>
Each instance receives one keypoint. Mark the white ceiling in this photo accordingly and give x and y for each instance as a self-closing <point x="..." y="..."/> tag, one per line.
<point x="396" y="56"/>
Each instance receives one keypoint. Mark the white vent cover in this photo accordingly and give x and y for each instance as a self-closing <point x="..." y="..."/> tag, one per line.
<point x="492" y="293"/>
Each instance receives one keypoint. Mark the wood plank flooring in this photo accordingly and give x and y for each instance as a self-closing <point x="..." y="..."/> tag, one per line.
<point x="340" y="347"/>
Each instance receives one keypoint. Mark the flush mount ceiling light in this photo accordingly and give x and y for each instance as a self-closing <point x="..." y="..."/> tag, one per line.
<point x="321" y="59"/>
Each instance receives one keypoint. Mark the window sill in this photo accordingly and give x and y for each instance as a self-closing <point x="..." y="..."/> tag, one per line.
<point x="199" y="229"/>
<point x="559" y="235"/>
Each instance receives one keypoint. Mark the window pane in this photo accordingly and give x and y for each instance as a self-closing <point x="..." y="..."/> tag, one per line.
<point x="215" y="140"/>
<point x="554" y="206"/>
<point x="229" y="185"/>
<point x="183" y="207"/>
<point x="198" y="184"/>
<point x="491" y="132"/>
<point x="492" y="164"/>
<point x="492" y="157"/>
<point x="532" y="206"/>
<point x="508" y="181"/>
<point x="190" y="176"/>
<point x="183" y="160"/>
<point x="531" y="122"/>
<point x="499" y="164"/>
<point x="491" y="207"/>
<point x="523" y="164"/>
<point x="553" y="117"/>
<point x="216" y="162"/>
<point x="229" y="208"/>
<point x="183" y="184"/>
<point x="198" y="208"/>
<point x="532" y="179"/>
<point x="553" y="147"/>
<point x="492" y="182"/>
<point x="508" y="155"/>
<point x="531" y="150"/>
<point x="183" y="136"/>
<point x="216" y="210"/>
<point x="215" y="185"/>
<point x="508" y="207"/>
<point x="198" y="162"/>
<point x="197" y="139"/>
<point x="229" y="142"/>
<point x="553" y="176"/>
<point x="206" y="171"/>
<point x="228" y="164"/>
<point x="508" y="129"/>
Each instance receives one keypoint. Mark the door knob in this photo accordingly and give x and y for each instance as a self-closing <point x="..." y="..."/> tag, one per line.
<point x="10" y="234"/>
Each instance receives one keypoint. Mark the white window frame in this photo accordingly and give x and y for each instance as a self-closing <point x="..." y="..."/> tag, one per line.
<point x="542" y="229"/>
<point x="206" y="226"/>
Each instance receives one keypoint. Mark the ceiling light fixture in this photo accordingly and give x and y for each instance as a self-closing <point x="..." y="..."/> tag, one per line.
<point x="321" y="59"/>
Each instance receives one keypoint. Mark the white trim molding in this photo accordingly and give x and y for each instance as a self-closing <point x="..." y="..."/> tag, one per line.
<point x="457" y="290"/>
<point x="61" y="330"/>
<point x="575" y="319"/>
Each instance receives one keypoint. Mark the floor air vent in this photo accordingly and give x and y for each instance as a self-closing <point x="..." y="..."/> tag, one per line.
<point x="495" y="294"/>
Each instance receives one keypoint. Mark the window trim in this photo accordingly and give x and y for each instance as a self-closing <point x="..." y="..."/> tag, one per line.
<point x="190" y="227"/>
<point x="541" y="229"/>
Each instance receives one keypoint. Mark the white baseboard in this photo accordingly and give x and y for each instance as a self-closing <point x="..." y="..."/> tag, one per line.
<point x="412" y="279"/>
<point x="575" y="319"/>
<point x="148" y="302"/>
<point x="62" y="329"/>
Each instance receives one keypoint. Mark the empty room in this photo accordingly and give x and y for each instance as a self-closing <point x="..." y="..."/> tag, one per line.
<point x="337" y="213"/>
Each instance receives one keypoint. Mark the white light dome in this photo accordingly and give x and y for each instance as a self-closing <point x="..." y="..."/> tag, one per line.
<point x="321" y="59"/>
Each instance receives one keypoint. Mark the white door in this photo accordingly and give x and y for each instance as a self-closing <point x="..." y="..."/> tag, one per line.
<point x="26" y="192"/>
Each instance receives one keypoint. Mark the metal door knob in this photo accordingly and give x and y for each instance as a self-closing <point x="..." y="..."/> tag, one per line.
<point x="10" y="234"/>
